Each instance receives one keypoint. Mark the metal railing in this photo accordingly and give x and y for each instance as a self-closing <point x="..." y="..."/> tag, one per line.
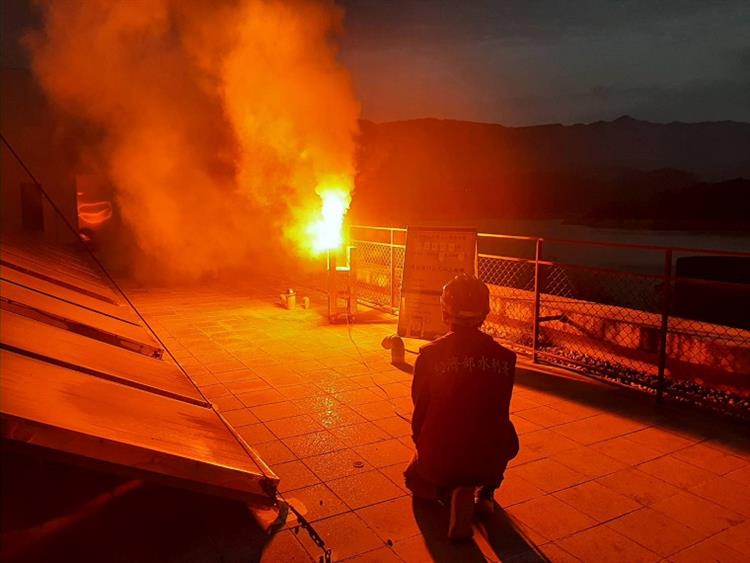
<point x="624" y="312"/>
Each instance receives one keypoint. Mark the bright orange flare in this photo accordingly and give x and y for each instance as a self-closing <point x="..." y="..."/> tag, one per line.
<point x="327" y="232"/>
<point x="258" y="81"/>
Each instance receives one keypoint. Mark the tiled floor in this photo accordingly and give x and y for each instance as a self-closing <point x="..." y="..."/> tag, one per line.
<point x="603" y="475"/>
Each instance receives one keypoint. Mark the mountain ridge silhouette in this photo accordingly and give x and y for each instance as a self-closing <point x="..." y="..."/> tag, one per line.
<point x="624" y="170"/>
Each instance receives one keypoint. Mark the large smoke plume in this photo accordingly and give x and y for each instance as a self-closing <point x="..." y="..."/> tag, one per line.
<point x="219" y="120"/>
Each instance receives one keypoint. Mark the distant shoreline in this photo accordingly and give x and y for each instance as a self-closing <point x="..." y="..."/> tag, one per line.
<point x="687" y="227"/>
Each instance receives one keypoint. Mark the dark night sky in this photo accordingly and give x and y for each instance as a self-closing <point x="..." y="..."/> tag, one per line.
<point x="537" y="61"/>
<point x="524" y="62"/>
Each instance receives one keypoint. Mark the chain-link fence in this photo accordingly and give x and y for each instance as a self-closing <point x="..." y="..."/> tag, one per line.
<point x="511" y="283"/>
<point x="669" y="321"/>
<point x="379" y="265"/>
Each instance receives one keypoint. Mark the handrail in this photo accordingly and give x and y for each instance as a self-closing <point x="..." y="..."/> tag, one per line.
<point x="654" y="295"/>
<point x="652" y="247"/>
<point x="374" y="243"/>
<point x="511" y="237"/>
<point x="374" y="228"/>
<point x="605" y="244"/>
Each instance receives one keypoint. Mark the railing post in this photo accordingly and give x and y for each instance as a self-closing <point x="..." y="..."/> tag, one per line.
<point x="664" y="329"/>
<point x="537" y="300"/>
<point x="393" y="272"/>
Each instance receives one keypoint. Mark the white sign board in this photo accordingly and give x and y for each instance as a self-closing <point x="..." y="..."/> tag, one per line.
<point x="434" y="256"/>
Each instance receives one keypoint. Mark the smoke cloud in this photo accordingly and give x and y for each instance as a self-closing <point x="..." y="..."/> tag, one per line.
<point x="221" y="121"/>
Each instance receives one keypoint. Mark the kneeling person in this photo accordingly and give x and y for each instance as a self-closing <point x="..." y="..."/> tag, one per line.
<point x="461" y="424"/>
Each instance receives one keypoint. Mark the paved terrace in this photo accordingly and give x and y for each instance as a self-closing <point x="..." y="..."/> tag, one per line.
<point x="603" y="474"/>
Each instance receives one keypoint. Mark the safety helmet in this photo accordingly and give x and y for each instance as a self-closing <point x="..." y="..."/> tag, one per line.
<point x="465" y="300"/>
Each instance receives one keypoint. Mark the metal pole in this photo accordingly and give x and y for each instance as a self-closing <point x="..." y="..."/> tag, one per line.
<point x="393" y="273"/>
<point x="537" y="299"/>
<point x="332" y="290"/>
<point x="665" y="304"/>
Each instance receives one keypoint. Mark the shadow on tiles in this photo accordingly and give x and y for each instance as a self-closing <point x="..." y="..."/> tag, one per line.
<point x="498" y="531"/>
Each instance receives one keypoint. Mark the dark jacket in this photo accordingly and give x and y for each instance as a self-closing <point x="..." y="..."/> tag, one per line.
<point x="461" y="391"/>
